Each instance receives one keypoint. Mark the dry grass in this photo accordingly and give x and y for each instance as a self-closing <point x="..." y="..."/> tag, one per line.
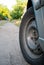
<point x="2" y="22"/>
<point x="17" y="22"/>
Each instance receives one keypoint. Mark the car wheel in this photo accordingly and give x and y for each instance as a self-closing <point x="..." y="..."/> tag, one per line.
<point x="28" y="36"/>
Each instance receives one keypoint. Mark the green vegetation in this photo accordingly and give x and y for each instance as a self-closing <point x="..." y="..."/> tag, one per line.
<point x="4" y="12"/>
<point x="16" y="13"/>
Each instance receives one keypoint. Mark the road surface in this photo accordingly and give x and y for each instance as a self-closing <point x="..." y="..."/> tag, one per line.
<point x="10" y="53"/>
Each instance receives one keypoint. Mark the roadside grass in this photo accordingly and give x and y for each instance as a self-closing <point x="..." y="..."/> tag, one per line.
<point x="2" y="22"/>
<point x="16" y="22"/>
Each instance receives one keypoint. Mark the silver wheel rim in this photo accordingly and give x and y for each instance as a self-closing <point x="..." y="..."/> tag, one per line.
<point x="32" y="39"/>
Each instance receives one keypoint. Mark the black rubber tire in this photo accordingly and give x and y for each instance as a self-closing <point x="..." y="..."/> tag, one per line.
<point x="37" y="60"/>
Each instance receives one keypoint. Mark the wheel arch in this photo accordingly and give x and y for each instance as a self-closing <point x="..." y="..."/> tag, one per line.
<point x="29" y="4"/>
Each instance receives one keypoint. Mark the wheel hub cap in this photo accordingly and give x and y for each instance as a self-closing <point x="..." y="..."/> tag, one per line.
<point x="32" y="40"/>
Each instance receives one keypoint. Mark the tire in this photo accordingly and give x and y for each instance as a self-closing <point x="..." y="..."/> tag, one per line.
<point x="32" y="52"/>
